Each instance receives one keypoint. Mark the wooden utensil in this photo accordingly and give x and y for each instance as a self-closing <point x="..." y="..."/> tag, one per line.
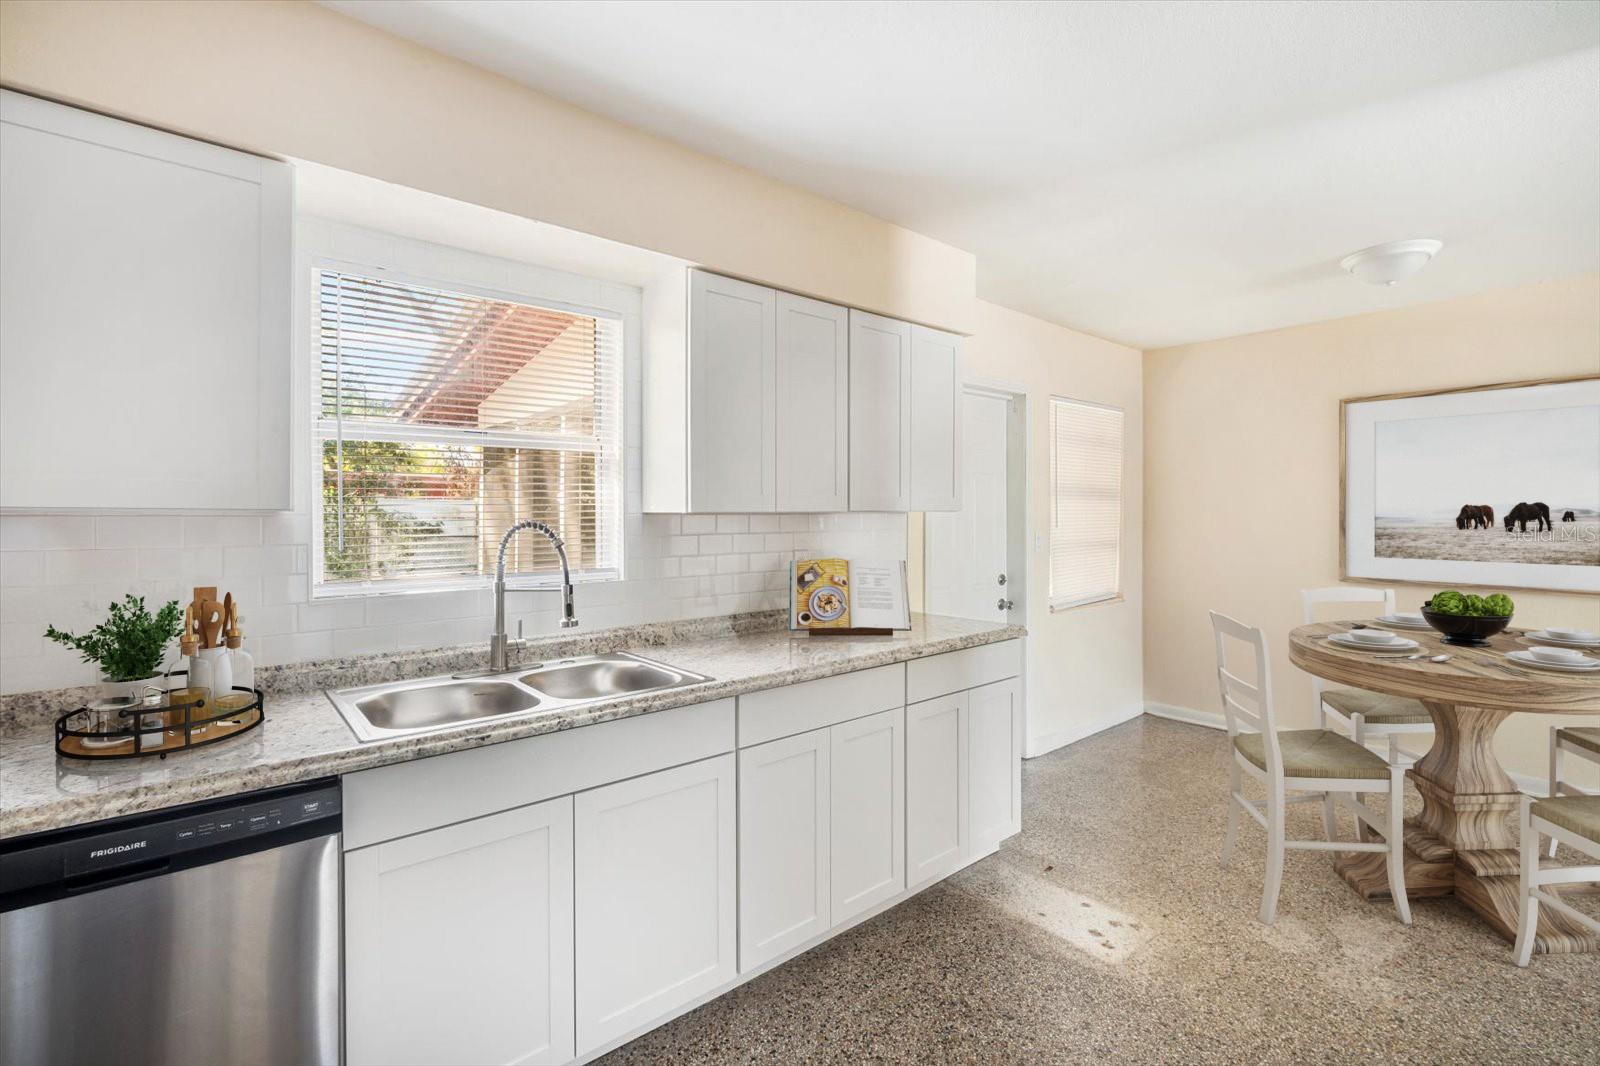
<point x="210" y="623"/>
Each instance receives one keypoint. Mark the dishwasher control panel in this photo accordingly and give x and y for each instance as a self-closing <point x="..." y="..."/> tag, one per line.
<point x="150" y="839"/>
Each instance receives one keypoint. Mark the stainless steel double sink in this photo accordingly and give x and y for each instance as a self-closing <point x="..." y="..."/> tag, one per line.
<point x="403" y="708"/>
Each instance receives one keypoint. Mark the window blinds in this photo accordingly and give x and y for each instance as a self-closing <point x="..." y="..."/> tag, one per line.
<point x="445" y="417"/>
<point x="1085" y="502"/>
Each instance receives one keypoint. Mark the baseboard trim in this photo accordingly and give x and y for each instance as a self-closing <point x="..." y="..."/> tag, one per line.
<point x="1533" y="786"/>
<point x="1044" y="745"/>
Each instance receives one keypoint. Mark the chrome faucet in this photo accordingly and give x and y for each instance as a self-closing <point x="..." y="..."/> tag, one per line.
<point x="499" y="645"/>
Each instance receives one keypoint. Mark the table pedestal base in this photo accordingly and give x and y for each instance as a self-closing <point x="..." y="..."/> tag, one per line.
<point x="1463" y="843"/>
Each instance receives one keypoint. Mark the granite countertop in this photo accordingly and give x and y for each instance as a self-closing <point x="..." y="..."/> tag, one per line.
<point x="304" y="736"/>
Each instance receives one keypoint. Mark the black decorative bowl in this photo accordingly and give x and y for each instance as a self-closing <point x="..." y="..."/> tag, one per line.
<point x="1471" y="630"/>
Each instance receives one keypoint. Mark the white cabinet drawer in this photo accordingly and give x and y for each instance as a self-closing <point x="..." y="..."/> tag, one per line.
<point x="782" y="712"/>
<point x="392" y="801"/>
<point x="955" y="671"/>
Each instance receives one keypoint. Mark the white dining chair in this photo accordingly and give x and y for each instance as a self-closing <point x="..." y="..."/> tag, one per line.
<point x="1575" y="822"/>
<point x="1326" y="765"/>
<point x="1581" y="741"/>
<point x="1364" y="715"/>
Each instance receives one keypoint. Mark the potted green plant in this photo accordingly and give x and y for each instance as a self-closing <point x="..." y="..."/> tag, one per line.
<point x="128" y="647"/>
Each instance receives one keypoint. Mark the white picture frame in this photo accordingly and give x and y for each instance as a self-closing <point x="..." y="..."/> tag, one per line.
<point x="1406" y="457"/>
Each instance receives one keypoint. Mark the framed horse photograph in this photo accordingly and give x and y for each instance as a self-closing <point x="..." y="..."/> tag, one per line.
<point x="1491" y="485"/>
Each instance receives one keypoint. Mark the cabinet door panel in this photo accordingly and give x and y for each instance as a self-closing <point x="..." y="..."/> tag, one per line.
<point x="732" y="394"/>
<point x="813" y="411"/>
<point x="458" y="942"/>
<point x="996" y="768"/>
<point x="880" y="413"/>
<point x="935" y="420"/>
<point x="144" y="276"/>
<point x="656" y="911"/>
<point x="867" y="767"/>
<point x="784" y="869"/>
<point x="936" y="787"/>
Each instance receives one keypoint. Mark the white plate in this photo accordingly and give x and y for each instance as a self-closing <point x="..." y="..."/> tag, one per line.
<point x="1526" y="659"/>
<point x="1345" y="640"/>
<point x="1545" y="636"/>
<point x="1401" y="623"/>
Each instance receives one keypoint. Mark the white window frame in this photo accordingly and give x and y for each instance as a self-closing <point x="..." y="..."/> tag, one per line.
<point x="541" y="290"/>
<point x="1058" y="604"/>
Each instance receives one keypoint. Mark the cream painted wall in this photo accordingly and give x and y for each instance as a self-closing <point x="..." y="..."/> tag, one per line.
<point x="1242" y="472"/>
<point x="1085" y="668"/>
<point x="293" y="79"/>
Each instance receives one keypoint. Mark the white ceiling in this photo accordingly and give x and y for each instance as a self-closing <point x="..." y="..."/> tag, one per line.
<point x="1154" y="173"/>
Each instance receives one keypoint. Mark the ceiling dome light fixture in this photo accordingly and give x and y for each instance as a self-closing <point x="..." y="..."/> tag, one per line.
<point x="1391" y="263"/>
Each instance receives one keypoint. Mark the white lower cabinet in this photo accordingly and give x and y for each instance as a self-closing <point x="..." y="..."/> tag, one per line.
<point x="655" y="896"/>
<point x="994" y="758"/>
<point x="936" y="787"/>
<point x="458" y="942"/>
<point x="784" y="846"/>
<point x="867" y="777"/>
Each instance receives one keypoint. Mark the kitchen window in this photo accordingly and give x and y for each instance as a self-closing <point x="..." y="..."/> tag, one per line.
<point x="1086" y="446"/>
<point x="444" y="416"/>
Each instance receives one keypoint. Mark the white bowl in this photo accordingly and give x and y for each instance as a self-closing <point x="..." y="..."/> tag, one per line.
<point x="1373" y="636"/>
<point x="1413" y="617"/>
<point x="1557" y="655"/>
<point x="1569" y="634"/>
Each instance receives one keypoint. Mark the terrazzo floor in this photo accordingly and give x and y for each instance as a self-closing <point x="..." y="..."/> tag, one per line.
<point x="1107" y="931"/>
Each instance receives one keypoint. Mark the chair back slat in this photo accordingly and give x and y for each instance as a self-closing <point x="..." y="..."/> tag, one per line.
<point x="1247" y="702"/>
<point x="1310" y="599"/>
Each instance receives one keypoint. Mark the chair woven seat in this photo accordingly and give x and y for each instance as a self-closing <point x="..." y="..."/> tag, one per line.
<point x="1576" y="814"/>
<point x="1315" y="753"/>
<point x="1587" y="737"/>
<point x="1377" y="708"/>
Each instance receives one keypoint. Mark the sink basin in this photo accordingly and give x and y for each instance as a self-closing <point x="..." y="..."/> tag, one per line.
<point x="601" y="677"/>
<point x="377" y="712"/>
<point x="431" y="706"/>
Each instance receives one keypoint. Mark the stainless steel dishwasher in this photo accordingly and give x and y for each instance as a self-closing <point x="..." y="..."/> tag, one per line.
<point x="206" y="934"/>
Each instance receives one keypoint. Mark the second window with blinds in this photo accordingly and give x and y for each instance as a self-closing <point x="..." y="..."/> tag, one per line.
<point x="1086" y="447"/>
<point x="445" y="416"/>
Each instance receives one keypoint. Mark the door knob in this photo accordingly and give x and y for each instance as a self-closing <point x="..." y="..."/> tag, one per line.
<point x="1003" y="605"/>
<point x="1002" y="579"/>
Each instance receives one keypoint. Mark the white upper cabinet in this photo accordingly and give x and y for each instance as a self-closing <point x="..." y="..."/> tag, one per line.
<point x="732" y="395"/>
<point x="144" y="344"/>
<point x="935" y="420"/>
<point x="814" y="407"/>
<point x="880" y="413"/>
<point x="761" y="400"/>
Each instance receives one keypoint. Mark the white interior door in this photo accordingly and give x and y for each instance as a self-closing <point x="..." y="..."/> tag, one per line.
<point x="966" y="549"/>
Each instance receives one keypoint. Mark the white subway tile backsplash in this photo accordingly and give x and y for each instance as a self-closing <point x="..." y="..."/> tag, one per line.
<point x="716" y="544"/>
<point x="80" y="567"/>
<point x="763" y="523"/>
<point x="733" y="523"/>
<point x="221" y="531"/>
<point x="23" y="532"/>
<point x="331" y="614"/>
<point x="696" y="565"/>
<point x="749" y="542"/>
<point x="732" y="564"/>
<point x="138" y="531"/>
<point x="18" y="569"/>
<point x="367" y="640"/>
<point x="699" y="523"/>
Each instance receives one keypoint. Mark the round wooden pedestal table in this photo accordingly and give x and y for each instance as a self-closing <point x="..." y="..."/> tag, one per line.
<point x="1464" y="842"/>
